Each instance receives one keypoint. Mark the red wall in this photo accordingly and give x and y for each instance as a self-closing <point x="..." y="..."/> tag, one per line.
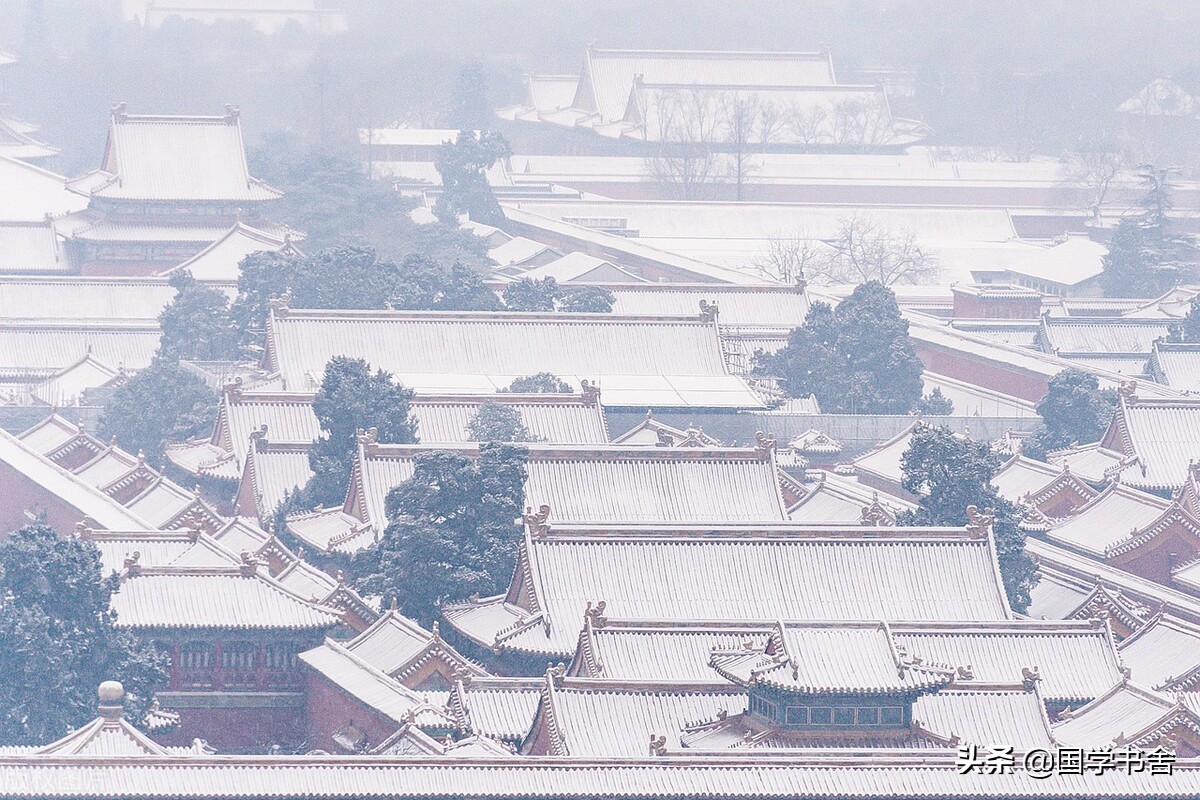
<point x="238" y="730"/>
<point x="19" y="494"/>
<point x="328" y="709"/>
<point x="989" y="374"/>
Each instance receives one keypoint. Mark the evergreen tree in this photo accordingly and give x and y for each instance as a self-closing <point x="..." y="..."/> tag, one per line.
<point x="856" y="358"/>
<point x="593" y="299"/>
<point x="539" y="383"/>
<point x="1133" y="266"/>
<point x="196" y="324"/>
<point x="329" y="197"/>
<point x="1145" y="256"/>
<point x="949" y="473"/>
<point x="528" y="294"/>
<point x="355" y="278"/>
<point x="1187" y="330"/>
<point x="469" y="109"/>
<point x="497" y="422"/>
<point x="60" y="640"/>
<point x="425" y="285"/>
<point x="261" y="276"/>
<point x="936" y="404"/>
<point x="465" y="190"/>
<point x="545" y="294"/>
<point x="452" y="531"/>
<point x="162" y="403"/>
<point x="1074" y="410"/>
<point x="353" y="399"/>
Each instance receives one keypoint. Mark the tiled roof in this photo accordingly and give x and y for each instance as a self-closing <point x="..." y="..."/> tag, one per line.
<point x="608" y="75"/>
<point x="394" y="642"/>
<point x="971" y="400"/>
<point x="598" y="719"/>
<point x="1164" y="654"/>
<point x="375" y="689"/>
<point x="304" y="580"/>
<point x="635" y="361"/>
<point x="214" y="597"/>
<point x="31" y="247"/>
<point x="884" y="460"/>
<point x="17" y="143"/>
<point x="104" y="511"/>
<point x="105" y="737"/>
<point x="756" y="306"/>
<point x="681" y="485"/>
<point x="221" y="260"/>
<point x="580" y="484"/>
<point x="1021" y="476"/>
<point x="838" y="500"/>
<point x="1177" y="365"/>
<point x="1091" y="462"/>
<point x="42" y="347"/>
<point x="645" y="650"/>
<point x="1076" y="660"/>
<point x="500" y="708"/>
<point x="32" y="192"/>
<point x="827" y="775"/>
<point x="77" y="297"/>
<point x="984" y="716"/>
<point x="1108" y="518"/>
<point x="1123" y="715"/>
<point x="582" y="268"/>
<point x="557" y="419"/>
<point x="178" y="158"/>
<point x="824" y="775"/>
<point x="1075" y="575"/>
<point x="734" y="573"/>
<point x="1163" y="434"/>
<point x="153" y="548"/>
<point x="66" y="387"/>
<point x="271" y="471"/>
<point x="831" y="658"/>
<point x="1068" y="264"/>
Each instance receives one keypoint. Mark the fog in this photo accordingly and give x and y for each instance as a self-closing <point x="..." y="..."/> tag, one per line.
<point x="1026" y="76"/>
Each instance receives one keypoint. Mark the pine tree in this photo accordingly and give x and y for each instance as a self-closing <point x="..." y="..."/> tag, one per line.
<point x="497" y="422"/>
<point x="61" y="640"/>
<point x="949" y="473"/>
<point x="452" y="531"/>
<point x="1074" y="410"/>
<point x="856" y="358"/>
<point x="465" y="189"/>
<point x="353" y="399"/>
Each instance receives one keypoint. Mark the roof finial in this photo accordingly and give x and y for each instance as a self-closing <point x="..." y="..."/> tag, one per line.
<point x="763" y="444"/>
<point x="979" y="524"/>
<point x="590" y="392"/>
<point x="537" y="523"/>
<point x="249" y="565"/>
<point x="709" y="311"/>
<point x="595" y="613"/>
<point x="112" y="700"/>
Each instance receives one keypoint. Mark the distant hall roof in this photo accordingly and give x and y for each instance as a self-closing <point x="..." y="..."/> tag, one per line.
<point x="196" y="158"/>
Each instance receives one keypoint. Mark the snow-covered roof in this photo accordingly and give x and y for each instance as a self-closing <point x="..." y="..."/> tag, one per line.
<point x="220" y="260"/>
<point x="190" y="158"/>
<point x="31" y="193"/>
<point x="1076" y="260"/>
<point x="666" y="362"/>
<point x="684" y="573"/>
